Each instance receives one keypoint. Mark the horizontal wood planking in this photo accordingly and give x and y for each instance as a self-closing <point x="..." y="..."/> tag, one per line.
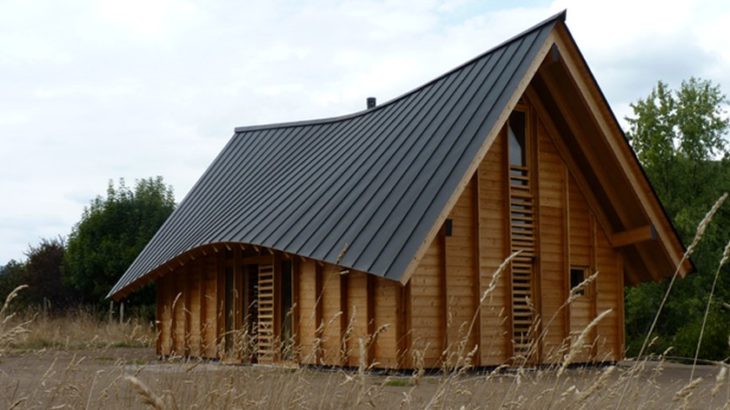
<point x="307" y="317"/>
<point x="492" y="250"/>
<point x="608" y="296"/>
<point x="331" y="313"/>
<point x="357" y="318"/>
<point x="386" y="322"/>
<point x="580" y="240"/>
<point x="552" y="185"/>
<point x="426" y="308"/>
<point x="581" y="244"/>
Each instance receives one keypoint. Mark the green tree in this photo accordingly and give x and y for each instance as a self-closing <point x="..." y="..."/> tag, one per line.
<point x="111" y="233"/>
<point x="11" y="276"/>
<point x="680" y="138"/>
<point x="42" y="271"/>
<point x="43" y="275"/>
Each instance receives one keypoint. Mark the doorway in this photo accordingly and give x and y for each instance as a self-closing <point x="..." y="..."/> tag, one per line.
<point x="258" y="301"/>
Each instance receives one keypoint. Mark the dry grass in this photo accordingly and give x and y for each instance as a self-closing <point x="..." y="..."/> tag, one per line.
<point x="76" y="330"/>
<point x="80" y="362"/>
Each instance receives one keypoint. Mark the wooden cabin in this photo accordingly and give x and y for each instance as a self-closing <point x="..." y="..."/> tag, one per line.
<point x="376" y="238"/>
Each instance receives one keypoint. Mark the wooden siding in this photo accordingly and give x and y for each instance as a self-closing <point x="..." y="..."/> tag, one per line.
<point x="609" y="295"/>
<point x="427" y="323"/>
<point x="495" y="324"/>
<point x="164" y="289"/>
<point x="552" y="175"/>
<point x="332" y="311"/>
<point x="460" y="265"/>
<point x="580" y="248"/>
<point x="308" y="321"/>
<point x="421" y="323"/>
<point x="357" y="319"/>
<point x="210" y="312"/>
<point x="194" y="292"/>
<point x="386" y="343"/>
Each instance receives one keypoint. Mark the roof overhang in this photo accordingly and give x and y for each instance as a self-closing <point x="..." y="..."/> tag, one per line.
<point x="621" y="195"/>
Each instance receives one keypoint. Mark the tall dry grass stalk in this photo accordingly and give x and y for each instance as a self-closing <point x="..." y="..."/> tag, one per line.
<point x="723" y="260"/>
<point x="580" y="343"/>
<point x="698" y="236"/>
<point x="699" y="233"/>
<point x="148" y="398"/>
<point x="11" y="331"/>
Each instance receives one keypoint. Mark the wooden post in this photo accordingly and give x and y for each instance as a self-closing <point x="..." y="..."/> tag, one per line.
<point x="370" y="300"/>
<point x="296" y="273"/>
<point x="476" y="286"/>
<point x="318" y="285"/>
<point x="121" y="312"/>
<point x="404" y="325"/>
<point x="344" y="317"/>
<point x="443" y="326"/>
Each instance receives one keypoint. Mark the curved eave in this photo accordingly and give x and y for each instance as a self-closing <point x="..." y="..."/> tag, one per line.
<point x="190" y="256"/>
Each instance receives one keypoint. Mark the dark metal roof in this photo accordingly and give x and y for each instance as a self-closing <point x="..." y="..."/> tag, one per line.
<point x="371" y="184"/>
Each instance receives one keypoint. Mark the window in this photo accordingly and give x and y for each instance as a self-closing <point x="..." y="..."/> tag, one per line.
<point x="577" y="275"/>
<point x="516" y="136"/>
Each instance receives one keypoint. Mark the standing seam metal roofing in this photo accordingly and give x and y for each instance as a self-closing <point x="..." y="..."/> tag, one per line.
<point x="366" y="187"/>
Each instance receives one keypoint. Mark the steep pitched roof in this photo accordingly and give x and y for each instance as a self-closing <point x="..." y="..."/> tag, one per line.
<point x="363" y="190"/>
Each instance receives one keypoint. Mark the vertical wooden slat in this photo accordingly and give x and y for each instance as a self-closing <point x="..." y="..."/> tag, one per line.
<point x="476" y="285"/>
<point x="278" y="311"/>
<point x="160" y="302"/>
<point x="404" y="326"/>
<point x="509" y="300"/>
<point x="566" y="249"/>
<point x="319" y="288"/>
<point x="203" y="306"/>
<point x="267" y="314"/>
<point x="370" y="318"/>
<point x="195" y="308"/>
<point x="343" y="317"/>
<point x="187" y="308"/>
<point x="221" y="305"/>
<point x="178" y="313"/>
<point x="531" y="139"/>
<point x="443" y="292"/>
<point x="167" y="314"/>
<point x="594" y="286"/>
<point x="238" y="295"/>
<point x="620" y="332"/>
<point x="296" y="271"/>
<point x="308" y="299"/>
<point x="522" y="214"/>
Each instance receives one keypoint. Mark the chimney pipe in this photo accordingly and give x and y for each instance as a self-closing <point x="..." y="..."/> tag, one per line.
<point x="371" y="102"/>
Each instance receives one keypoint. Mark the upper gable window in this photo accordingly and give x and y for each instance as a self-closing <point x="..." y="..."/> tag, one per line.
<point x="516" y="136"/>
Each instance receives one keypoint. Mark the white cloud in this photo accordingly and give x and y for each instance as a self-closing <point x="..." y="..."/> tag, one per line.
<point x="98" y="90"/>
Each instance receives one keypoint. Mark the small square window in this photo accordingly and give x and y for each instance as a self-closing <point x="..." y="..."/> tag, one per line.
<point x="577" y="275"/>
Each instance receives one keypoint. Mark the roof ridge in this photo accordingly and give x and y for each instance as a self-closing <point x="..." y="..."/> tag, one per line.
<point x="556" y="17"/>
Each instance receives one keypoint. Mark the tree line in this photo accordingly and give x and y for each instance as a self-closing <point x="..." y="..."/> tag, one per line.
<point x="81" y="269"/>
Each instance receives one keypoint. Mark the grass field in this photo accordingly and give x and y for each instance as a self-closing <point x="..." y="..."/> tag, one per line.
<point x="79" y="362"/>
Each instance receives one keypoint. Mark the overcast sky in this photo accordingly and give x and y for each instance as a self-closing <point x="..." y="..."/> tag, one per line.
<point x="98" y="90"/>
